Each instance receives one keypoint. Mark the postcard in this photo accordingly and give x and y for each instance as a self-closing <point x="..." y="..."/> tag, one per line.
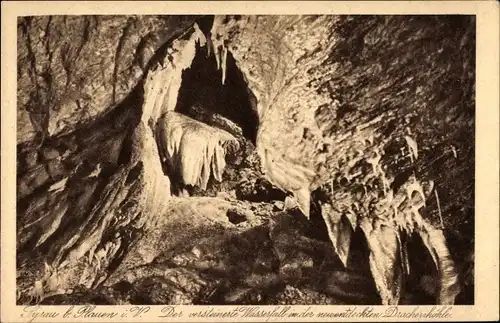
<point x="250" y="161"/>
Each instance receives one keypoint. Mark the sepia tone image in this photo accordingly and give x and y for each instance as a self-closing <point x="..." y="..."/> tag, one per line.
<point x="243" y="159"/>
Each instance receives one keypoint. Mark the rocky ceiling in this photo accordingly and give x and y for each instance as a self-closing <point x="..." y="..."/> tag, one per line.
<point x="245" y="159"/>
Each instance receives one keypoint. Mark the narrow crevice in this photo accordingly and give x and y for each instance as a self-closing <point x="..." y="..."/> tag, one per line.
<point x="421" y="285"/>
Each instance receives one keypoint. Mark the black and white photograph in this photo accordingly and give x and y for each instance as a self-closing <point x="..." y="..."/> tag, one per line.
<point x="244" y="159"/>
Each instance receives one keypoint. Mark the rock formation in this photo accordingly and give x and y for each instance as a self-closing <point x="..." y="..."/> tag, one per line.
<point x="246" y="159"/>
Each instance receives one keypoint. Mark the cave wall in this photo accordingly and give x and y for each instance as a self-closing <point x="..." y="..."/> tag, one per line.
<point x="371" y="106"/>
<point x="72" y="69"/>
<point x="343" y="87"/>
<point x="86" y="193"/>
<point x="362" y="109"/>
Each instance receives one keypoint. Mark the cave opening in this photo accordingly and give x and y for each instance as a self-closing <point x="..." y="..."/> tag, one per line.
<point x="203" y="96"/>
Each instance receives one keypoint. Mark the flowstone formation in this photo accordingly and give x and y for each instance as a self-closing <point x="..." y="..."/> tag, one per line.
<point x="246" y="160"/>
<point x="192" y="149"/>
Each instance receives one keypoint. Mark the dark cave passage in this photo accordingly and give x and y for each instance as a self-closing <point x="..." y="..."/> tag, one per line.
<point x="421" y="285"/>
<point x="202" y="95"/>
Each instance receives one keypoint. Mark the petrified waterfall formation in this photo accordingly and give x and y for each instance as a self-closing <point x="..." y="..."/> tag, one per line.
<point x="125" y="175"/>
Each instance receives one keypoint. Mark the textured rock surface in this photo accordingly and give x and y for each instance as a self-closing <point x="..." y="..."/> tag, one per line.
<point x="364" y="124"/>
<point x="394" y="95"/>
<point x="72" y="69"/>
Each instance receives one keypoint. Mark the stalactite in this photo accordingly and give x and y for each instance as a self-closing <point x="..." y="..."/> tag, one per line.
<point x="219" y="38"/>
<point x="83" y="255"/>
<point x="339" y="230"/>
<point x="224" y="64"/>
<point x="289" y="177"/>
<point x="163" y="83"/>
<point x="385" y="266"/>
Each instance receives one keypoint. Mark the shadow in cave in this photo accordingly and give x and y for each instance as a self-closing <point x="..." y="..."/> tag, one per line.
<point x="352" y="283"/>
<point x="420" y="285"/>
<point x="202" y="95"/>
